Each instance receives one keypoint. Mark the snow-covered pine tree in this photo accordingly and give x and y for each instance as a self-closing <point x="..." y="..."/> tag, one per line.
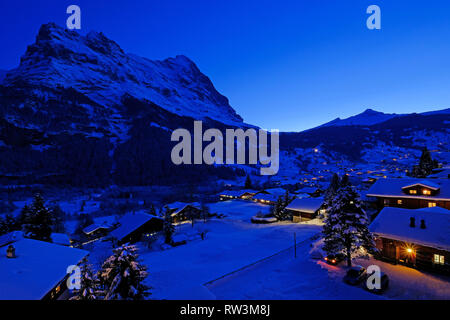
<point x="330" y="193"/>
<point x="38" y="220"/>
<point x="425" y="166"/>
<point x="90" y="289"/>
<point x="346" y="226"/>
<point x="152" y="210"/>
<point x="287" y="199"/>
<point x="279" y="211"/>
<point x="122" y="275"/>
<point x="168" y="227"/>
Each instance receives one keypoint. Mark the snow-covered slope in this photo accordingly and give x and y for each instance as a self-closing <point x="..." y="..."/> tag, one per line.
<point x="366" y="118"/>
<point x="371" y="117"/>
<point x="97" y="67"/>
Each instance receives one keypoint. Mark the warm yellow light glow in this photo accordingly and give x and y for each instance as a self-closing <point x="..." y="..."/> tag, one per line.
<point x="409" y="250"/>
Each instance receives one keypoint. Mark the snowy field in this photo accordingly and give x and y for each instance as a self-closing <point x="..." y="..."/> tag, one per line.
<point x="231" y="243"/>
<point x="289" y="278"/>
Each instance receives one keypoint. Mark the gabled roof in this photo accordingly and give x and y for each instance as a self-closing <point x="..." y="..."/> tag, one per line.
<point x="393" y="223"/>
<point x="392" y="188"/>
<point x="276" y="191"/>
<point x="37" y="269"/>
<point x="237" y="193"/>
<point x="308" y="205"/>
<point x="131" y="222"/>
<point x="94" y="227"/>
<point x="424" y="183"/>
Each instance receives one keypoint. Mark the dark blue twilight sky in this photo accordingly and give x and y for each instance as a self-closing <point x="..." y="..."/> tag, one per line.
<point x="289" y="65"/>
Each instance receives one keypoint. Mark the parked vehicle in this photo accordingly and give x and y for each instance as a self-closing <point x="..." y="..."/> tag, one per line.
<point x="355" y="275"/>
<point x="334" y="259"/>
<point x="384" y="284"/>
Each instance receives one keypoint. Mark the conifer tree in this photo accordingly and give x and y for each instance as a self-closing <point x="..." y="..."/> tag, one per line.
<point x="248" y="182"/>
<point x="38" y="220"/>
<point x="89" y="285"/>
<point x="168" y="227"/>
<point x="346" y="226"/>
<point x="330" y="193"/>
<point x="278" y="209"/>
<point x="122" y="275"/>
<point x="425" y="166"/>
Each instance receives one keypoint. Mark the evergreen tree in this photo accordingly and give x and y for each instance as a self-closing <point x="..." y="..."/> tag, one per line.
<point x="248" y="182"/>
<point x="330" y="193"/>
<point x="59" y="219"/>
<point x="425" y="166"/>
<point x="152" y="210"/>
<point x="122" y="275"/>
<point x="346" y="226"/>
<point x="287" y="199"/>
<point x="38" y="220"/>
<point x="89" y="289"/>
<point x="278" y="209"/>
<point x="205" y="212"/>
<point x="168" y="227"/>
<point x="8" y="224"/>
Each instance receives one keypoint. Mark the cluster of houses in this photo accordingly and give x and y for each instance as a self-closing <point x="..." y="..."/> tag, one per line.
<point x="305" y="204"/>
<point x="413" y="224"/>
<point x="37" y="270"/>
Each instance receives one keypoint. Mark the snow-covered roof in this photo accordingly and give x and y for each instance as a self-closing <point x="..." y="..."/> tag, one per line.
<point x="266" y="197"/>
<point x="61" y="238"/>
<point x="237" y="193"/>
<point x="308" y="205"/>
<point x="307" y="190"/>
<point x="180" y="206"/>
<point x="10" y="238"/>
<point x="393" y="188"/>
<point x="424" y="183"/>
<point x="94" y="227"/>
<point x="276" y="191"/>
<point x="37" y="269"/>
<point x="130" y="222"/>
<point x="441" y="173"/>
<point x="394" y="223"/>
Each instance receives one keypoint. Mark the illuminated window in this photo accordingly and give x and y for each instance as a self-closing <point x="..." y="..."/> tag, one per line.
<point x="438" y="259"/>
<point x="399" y="201"/>
<point x="426" y="192"/>
<point x="412" y="191"/>
<point x="431" y="204"/>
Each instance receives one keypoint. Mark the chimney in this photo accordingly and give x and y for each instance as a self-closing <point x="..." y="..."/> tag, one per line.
<point x="422" y="224"/>
<point x="412" y="222"/>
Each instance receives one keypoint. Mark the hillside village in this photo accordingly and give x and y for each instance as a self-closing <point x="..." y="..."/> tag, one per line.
<point x="228" y="243"/>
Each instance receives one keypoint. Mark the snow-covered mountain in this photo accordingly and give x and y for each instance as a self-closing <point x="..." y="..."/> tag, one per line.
<point x="80" y="110"/>
<point x="98" y="68"/>
<point x="366" y="118"/>
<point x="371" y="117"/>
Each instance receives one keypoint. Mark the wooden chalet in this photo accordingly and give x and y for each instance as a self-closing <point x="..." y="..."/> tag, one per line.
<point x="305" y="209"/>
<point x="95" y="231"/>
<point x="244" y="194"/>
<point x="133" y="226"/>
<point x="411" y="193"/>
<point x="418" y="238"/>
<point x="181" y="211"/>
